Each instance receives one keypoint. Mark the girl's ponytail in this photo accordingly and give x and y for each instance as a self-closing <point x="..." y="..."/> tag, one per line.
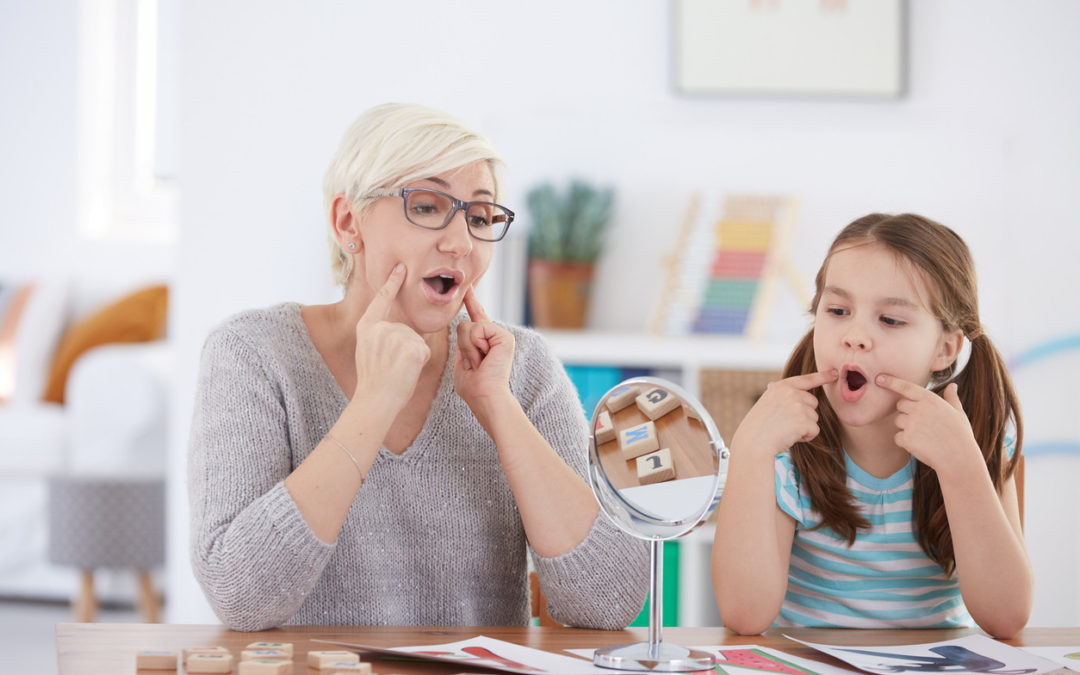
<point x="989" y="401"/>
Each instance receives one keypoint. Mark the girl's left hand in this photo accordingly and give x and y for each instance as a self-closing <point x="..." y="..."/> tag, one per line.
<point x="932" y="428"/>
<point x="485" y="352"/>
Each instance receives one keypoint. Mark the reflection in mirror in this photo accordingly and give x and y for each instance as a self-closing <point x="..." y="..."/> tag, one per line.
<point x="657" y="465"/>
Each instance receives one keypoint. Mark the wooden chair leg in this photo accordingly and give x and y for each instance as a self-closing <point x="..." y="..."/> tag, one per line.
<point x="86" y="605"/>
<point x="149" y="607"/>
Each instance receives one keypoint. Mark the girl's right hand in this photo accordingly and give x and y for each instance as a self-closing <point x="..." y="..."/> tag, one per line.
<point x="785" y="414"/>
<point x="389" y="355"/>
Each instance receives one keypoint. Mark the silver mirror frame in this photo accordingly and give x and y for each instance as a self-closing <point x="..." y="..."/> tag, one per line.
<point x="654" y="655"/>
<point x="633" y="519"/>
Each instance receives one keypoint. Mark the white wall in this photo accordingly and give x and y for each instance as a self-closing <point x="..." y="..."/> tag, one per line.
<point x="985" y="141"/>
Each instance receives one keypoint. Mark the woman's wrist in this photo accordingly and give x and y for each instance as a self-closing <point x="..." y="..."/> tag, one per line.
<point x="493" y="411"/>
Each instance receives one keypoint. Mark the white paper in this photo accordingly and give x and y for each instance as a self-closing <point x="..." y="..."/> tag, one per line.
<point x="750" y="659"/>
<point x="970" y="654"/>
<point x="485" y="652"/>
<point x="1063" y="656"/>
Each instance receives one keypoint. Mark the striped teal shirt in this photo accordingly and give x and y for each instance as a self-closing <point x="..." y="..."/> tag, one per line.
<point x="883" y="580"/>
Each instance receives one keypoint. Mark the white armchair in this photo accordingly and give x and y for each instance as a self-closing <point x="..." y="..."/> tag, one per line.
<point x="113" y="424"/>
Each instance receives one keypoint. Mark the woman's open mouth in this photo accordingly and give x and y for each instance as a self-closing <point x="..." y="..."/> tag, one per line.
<point x="853" y="384"/>
<point x="441" y="287"/>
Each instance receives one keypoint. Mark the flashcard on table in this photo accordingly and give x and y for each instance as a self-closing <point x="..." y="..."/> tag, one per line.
<point x="605" y="430"/>
<point x="1068" y="657"/>
<point x="657" y="402"/>
<point x="655" y="467"/>
<point x="754" y="660"/>
<point x="621" y="397"/>
<point x="638" y="440"/>
<point x="482" y="652"/>
<point x="971" y="654"/>
<point x="155" y="659"/>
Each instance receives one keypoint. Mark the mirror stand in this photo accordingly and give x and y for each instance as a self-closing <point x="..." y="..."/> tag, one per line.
<point x="654" y="655"/>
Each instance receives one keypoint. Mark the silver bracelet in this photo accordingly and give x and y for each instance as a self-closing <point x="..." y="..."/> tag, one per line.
<point x="346" y="451"/>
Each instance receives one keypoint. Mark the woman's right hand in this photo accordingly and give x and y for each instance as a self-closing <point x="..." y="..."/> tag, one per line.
<point x="785" y="414"/>
<point x="389" y="355"/>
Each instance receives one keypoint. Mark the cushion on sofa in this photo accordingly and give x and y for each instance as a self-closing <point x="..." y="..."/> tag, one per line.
<point x="138" y="317"/>
<point x="13" y="301"/>
<point x="32" y="318"/>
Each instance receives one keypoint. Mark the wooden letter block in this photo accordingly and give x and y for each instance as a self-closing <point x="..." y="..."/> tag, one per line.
<point x="272" y="654"/>
<point x="188" y="651"/>
<point x="638" y="440"/>
<point x="344" y="668"/>
<point x="621" y="397"/>
<point x="605" y="430"/>
<point x="155" y="659"/>
<point x="318" y="660"/>
<point x="265" y="667"/>
<point x="286" y="647"/>
<point x="657" y="402"/>
<point x="655" y="467"/>
<point x="210" y="663"/>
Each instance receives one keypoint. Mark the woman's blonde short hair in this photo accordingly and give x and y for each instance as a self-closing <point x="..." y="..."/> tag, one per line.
<point x="389" y="146"/>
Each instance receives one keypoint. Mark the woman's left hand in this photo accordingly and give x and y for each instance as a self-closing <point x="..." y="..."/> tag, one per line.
<point x="932" y="428"/>
<point x="485" y="352"/>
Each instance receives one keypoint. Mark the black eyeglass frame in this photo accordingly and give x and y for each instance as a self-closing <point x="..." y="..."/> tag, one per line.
<point x="457" y="204"/>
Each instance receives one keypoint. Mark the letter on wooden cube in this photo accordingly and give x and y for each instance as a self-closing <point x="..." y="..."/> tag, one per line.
<point x="155" y="659"/>
<point x="605" y="430"/>
<point x="621" y="397"/>
<point x="655" y="467"/>
<point x="318" y="660"/>
<point x="264" y="654"/>
<point x="657" y="402"/>
<point x="188" y="651"/>
<point x="210" y="663"/>
<point x="286" y="647"/>
<point x="638" y="440"/>
<point x="265" y="667"/>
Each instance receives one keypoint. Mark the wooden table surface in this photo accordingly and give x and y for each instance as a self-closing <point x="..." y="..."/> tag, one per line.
<point x="109" y="649"/>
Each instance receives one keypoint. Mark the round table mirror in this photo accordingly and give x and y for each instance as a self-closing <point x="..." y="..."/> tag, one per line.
<point x="657" y="465"/>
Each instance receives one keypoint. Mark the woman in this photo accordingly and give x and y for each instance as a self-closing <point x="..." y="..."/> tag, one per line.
<point x="387" y="459"/>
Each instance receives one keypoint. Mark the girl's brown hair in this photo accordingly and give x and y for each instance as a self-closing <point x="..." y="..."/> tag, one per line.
<point x="984" y="387"/>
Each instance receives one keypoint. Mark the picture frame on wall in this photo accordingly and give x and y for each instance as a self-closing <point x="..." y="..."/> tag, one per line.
<point x="840" y="48"/>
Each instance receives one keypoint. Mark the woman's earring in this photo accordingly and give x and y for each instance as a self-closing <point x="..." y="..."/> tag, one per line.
<point x="352" y="245"/>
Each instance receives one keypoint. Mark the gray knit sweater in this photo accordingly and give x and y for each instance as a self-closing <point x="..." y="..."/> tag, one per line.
<point x="433" y="537"/>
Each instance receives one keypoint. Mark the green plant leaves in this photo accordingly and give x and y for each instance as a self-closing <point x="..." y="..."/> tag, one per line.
<point x="568" y="227"/>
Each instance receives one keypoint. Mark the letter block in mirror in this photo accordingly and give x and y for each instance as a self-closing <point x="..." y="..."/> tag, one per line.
<point x="638" y="440"/>
<point x="621" y="397"/>
<point x="605" y="429"/>
<point x="657" y="402"/>
<point x="655" y="467"/>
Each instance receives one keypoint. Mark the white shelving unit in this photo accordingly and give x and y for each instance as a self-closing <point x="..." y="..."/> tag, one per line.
<point x="687" y="356"/>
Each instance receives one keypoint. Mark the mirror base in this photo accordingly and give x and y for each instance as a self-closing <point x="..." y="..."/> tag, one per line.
<point x="661" y="657"/>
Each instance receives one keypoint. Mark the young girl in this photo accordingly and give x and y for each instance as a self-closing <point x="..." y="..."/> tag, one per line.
<point x="857" y="496"/>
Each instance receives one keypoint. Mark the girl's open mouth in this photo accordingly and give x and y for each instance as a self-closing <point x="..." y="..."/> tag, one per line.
<point x="853" y="384"/>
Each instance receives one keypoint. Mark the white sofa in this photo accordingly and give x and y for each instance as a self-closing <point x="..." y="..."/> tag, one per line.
<point x="112" y="423"/>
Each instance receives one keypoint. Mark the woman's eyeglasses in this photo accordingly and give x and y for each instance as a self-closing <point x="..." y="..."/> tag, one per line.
<point x="433" y="210"/>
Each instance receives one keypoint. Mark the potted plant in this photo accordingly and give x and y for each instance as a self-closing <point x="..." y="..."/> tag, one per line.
<point x="565" y="239"/>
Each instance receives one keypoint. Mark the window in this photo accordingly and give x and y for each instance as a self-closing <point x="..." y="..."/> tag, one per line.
<point x="127" y="84"/>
